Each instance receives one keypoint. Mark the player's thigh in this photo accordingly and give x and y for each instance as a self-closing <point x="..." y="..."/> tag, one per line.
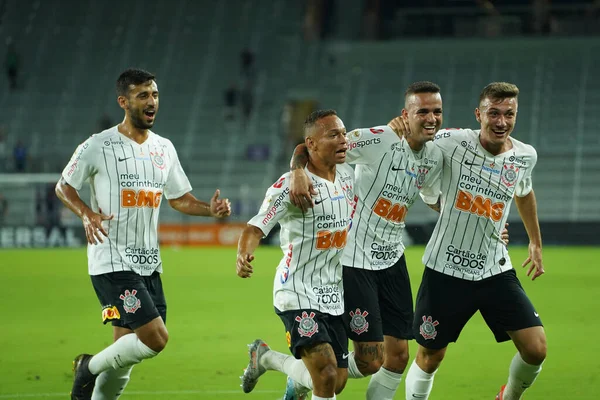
<point x="396" y="301"/>
<point x="307" y="328"/>
<point x="125" y="299"/>
<point x="362" y="316"/>
<point x="505" y="306"/>
<point x="444" y="305"/>
<point x="155" y="288"/>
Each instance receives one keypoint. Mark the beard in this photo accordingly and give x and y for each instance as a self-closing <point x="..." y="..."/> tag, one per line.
<point x="137" y="119"/>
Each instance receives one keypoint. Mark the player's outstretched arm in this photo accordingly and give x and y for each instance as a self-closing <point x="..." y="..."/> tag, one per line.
<point x="247" y="244"/>
<point x="189" y="204"/>
<point x="527" y="207"/>
<point x="92" y="222"/>
<point x="301" y="187"/>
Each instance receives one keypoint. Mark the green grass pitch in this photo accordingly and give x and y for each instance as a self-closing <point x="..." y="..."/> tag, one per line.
<point x="50" y="314"/>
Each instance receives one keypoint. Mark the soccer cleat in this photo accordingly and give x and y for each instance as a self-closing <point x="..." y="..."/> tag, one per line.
<point x="500" y="395"/>
<point x="295" y="391"/>
<point x="83" y="379"/>
<point x="254" y="370"/>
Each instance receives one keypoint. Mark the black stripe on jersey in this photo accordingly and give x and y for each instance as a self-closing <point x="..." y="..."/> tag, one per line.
<point x="298" y="258"/>
<point x="438" y="240"/>
<point x="358" y="213"/>
<point x="151" y="221"/>
<point x="409" y="188"/>
<point x="119" y="207"/>
<point x="126" y="223"/>
<point x="137" y="214"/>
<point x="110" y="247"/>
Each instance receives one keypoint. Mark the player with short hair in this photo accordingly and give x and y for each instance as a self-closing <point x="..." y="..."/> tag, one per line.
<point x="468" y="268"/>
<point x="130" y="169"/>
<point x="308" y="292"/>
<point x="390" y="174"/>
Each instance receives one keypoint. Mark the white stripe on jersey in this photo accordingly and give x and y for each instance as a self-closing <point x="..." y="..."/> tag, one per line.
<point x="127" y="180"/>
<point x="310" y="273"/>
<point x="388" y="181"/>
<point x="477" y="191"/>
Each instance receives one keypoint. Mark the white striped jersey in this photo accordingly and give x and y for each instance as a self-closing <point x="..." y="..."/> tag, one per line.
<point x="477" y="191"/>
<point x="127" y="180"/>
<point x="309" y="275"/>
<point x="389" y="177"/>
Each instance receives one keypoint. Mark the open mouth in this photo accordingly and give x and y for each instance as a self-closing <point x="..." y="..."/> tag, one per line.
<point x="499" y="133"/>
<point x="429" y="129"/>
<point x="150" y="113"/>
<point x="341" y="152"/>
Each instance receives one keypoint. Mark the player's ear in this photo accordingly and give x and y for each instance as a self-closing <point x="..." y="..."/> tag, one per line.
<point x="404" y="113"/>
<point x="478" y="115"/>
<point x="309" y="142"/>
<point x="122" y="100"/>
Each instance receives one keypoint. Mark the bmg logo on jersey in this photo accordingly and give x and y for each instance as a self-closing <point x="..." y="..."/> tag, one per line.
<point x="131" y="198"/>
<point x="326" y="240"/>
<point x="479" y="205"/>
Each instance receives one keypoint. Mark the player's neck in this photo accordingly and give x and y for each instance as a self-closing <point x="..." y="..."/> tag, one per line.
<point x="137" y="135"/>
<point x="495" y="149"/>
<point x="414" y="144"/>
<point x="321" y="169"/>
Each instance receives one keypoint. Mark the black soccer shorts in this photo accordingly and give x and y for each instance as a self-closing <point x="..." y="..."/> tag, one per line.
<point x="378" y="303"/>
<point x="445" y="304"/>
<point x="130" y="300"/>
<point x="309" y="327"/>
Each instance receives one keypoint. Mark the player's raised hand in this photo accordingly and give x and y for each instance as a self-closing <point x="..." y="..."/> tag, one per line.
<point x="301" y="190"/>
<point x="504" y="234"/>
<point x="535" y="259"/>
<point x="400" y="126"/>
<point x="92" y="223"/>
<point x="243" y="266"/>
<point x="219" y="207"/>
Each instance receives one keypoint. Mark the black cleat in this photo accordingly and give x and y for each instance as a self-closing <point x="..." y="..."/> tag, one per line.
<point x="83" y="379"/>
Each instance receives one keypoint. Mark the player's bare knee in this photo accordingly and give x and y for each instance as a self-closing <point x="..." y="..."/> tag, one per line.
<point x="430" y="359"/>
<point x="396" y="361"/>
<point x="534" y="352"/>
<point x="370" y="367"/>
<point x="340" y="385"/>
<point x="156" y="340"/>
<point x="327" y="376"/>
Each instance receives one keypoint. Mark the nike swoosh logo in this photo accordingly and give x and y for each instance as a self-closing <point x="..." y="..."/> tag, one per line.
<point x="344" y="356"/>
<point x="536" y="314"/>
<point x="320" y="201"/>
<point x="397" y="169"/>
<point x="471" y="163"/>
<point x="123" y="159"/>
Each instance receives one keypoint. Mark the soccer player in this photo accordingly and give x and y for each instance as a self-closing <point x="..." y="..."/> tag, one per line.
<point x="307" y="292"/>
<point x="467" y="264"/>
<point x="390" y="173"/>
<point x="129" y="169"/>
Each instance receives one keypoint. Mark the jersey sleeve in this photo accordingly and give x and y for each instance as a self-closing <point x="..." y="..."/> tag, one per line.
<point x="430" y="192"/>
<point x="82" y="165"/>
<point x="366" y="146"/>
<point x="177" y="183"/>
<point x="275" y="206"/>
<point x="525" y="186"/>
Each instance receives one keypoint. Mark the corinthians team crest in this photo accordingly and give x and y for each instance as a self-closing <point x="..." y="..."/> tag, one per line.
<point x="358" y="321"/>
<point x="421" y="177"/>
<point x="509" y="174"/>
<point x="427" y="328"/>
<point x="307" y="325"/>
<point x="158" y="159"/>
<point x="130" y="302"/>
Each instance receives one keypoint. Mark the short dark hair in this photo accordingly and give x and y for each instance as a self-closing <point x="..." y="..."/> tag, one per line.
<point x="132" y="76"/>
<point x="421" y="87"/>
<point x="314" y="116"/>
<point x="499" y="91"/>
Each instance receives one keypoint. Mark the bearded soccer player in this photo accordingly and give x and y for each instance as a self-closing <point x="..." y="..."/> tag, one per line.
<point x="308" y="292"/>
<point x="390" y="174"/>
<point x="468" y="268"/>
<point x="129" y="169"/>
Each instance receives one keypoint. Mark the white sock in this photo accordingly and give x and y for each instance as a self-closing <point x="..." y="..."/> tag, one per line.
<point x="383" y="385"/>
<point x="521" y="375"/>
<point x="315" y="397"/>
<point x="126" y="351"/>
<point x="418" y="383"/>
<point x="353" y="371"/>
<point x="295" y="369"/>
<point x="111" y="383"/>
